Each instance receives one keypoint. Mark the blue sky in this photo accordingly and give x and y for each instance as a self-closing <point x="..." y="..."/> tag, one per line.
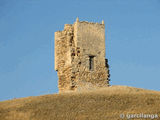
<point x="27" y="42"/>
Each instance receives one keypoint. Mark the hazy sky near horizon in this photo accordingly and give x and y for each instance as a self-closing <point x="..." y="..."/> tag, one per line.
<point x="27" y="42"/>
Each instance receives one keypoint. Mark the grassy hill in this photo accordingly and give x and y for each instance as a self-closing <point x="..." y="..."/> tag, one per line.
<point x="102" y="104"/>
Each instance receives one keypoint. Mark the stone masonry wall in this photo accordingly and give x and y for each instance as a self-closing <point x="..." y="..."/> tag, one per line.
<point x="91" y="42"/>
<point x="73" y="48"/>
<point x="63" y="57"/>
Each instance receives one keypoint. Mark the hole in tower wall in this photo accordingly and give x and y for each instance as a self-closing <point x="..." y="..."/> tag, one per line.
<point x="72" y="87"/>
<point x="106" y="63"/>
<point x="78" y="51"/>
<point x="71" y="41"/>
<point x="73" y="54"/>
<point x="91" y="62"/>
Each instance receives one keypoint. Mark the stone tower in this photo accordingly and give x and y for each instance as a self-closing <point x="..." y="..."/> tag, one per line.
<point x="80" y="56"/>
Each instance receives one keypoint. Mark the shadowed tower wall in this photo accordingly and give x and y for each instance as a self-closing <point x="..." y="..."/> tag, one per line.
<point x="80" y="56"/>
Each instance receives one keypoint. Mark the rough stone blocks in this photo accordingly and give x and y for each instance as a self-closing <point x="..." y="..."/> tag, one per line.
<point x="80" y="56"/>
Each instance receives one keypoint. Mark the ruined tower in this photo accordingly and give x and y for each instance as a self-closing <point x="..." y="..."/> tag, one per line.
<point x="80" y="56"/>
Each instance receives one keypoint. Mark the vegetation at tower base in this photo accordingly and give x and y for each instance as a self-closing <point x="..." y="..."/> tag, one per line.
<point x="99" y="104"/>
<point x="80" y="56"/>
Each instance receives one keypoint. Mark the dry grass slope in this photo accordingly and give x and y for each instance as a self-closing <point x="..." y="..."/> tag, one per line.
<point x="101" y="104"/>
